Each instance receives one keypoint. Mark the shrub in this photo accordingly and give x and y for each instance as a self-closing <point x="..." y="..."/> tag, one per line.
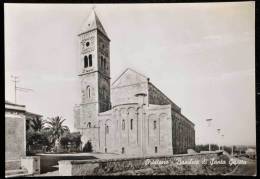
<point x="87" y="147"/>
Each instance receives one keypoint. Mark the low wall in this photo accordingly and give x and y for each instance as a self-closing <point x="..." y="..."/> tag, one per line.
<point x="48" y="161"/>
<point x="12" y="164"/>
<point x="145" y="165"/>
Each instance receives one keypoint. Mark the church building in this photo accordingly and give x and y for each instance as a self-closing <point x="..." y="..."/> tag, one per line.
<point x="129" y="116"/>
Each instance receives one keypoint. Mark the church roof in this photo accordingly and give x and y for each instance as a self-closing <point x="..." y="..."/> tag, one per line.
<point x="92" y="23"/>
<point x="129" y="70"/>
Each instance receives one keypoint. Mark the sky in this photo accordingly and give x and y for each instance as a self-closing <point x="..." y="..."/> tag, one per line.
<point x="201" y="55"/>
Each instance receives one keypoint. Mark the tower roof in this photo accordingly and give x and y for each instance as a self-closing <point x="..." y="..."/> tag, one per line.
<point x="92" y="23"/>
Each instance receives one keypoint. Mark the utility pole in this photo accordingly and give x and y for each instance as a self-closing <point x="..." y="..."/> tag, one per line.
<point x="222" y="141"/>
<point x="218" y="137"/>
<point x="209" y="121"/>
<point x="15" y="80"/>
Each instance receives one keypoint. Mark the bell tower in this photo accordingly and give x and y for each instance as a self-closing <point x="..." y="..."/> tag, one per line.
<point x="94" y="73"/>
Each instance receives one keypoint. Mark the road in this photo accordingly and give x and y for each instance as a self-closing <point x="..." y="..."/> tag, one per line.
<point x="248" y="169"/>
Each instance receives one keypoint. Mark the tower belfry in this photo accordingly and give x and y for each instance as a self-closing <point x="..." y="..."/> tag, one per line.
<point x="94" y="75"/>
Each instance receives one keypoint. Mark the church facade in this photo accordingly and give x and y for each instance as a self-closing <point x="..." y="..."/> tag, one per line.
<point x="131" y="116"/>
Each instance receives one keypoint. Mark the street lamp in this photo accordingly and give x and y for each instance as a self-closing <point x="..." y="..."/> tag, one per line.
<point x="218" y="137"/>
<point x="141" y="103"/>
<point x="222" y="141"/>
<point x="208" y="121"/>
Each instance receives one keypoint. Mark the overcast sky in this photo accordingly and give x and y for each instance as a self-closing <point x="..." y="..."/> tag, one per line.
<point x="200" y="55"/>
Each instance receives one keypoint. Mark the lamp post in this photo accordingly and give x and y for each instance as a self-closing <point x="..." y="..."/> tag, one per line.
<point x="222" y="141"/>
<point x="218" y="137"/>
<point x="141" y="103"/>
<point x="209" y="121"/>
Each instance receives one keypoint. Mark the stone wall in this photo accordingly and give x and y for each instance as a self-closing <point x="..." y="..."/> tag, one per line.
<point x="113" y="136"/>
<point x="165" y="165"/>
<point x="159" y="131"/>
<point x="183" y="133"/>
<point x="12" y="164"/>
<point x="125" y="88"/>
<point x="15" y="144"/>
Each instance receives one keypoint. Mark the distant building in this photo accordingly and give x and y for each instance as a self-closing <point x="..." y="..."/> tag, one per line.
<point x="133" y="117"/>
<point x="251" y="153"/>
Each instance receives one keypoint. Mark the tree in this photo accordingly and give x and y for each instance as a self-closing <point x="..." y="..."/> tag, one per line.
<point x="205" y="147"/>
<point x="72" y="138"/>
<point x="37" y="124"/>
<point x="36" y="138"/>
<point x="35" y="133"/>
<point x="56" y="128"/>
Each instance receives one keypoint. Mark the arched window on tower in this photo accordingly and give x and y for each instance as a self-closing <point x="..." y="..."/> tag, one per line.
<point x="88" y="92"/>
<point x="131" y="124"/>
<point x="105" y="65"/>
<point x="123" y="124"/>
<point x="85" y="61"/>
<point x="90" y="60"/>
<point x="89" y="124"/>
<point x="154" y="125"/>
<point x="101" y="62"/>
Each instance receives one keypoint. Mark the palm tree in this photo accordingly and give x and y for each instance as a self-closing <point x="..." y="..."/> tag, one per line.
<point x="56" y="127"/>
<point x="37" y="124"/>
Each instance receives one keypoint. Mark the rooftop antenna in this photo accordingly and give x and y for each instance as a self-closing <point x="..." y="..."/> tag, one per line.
<point x="15" y="80"/>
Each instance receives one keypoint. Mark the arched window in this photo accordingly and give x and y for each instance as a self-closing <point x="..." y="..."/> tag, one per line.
<point x="131" y="124"/>
<point x="101" y="62"/>
<point x="85" y="61"/>
<point x="105" y="150"/>
<point x="90" y="60"/>
<point x="103" y="92"/>
<point x="154" y="125"/>
<point x="89" y="124"/>
<point x="107" y="129"/>
<point x="105" y="64"/>
<point x="155" y="149"/>
<point x="88" y="92"/>
<point x="123" y="150"/>
<point x="123" y="124"/>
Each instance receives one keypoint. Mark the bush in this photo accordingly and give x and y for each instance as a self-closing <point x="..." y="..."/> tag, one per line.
<point x="87" y="147"/>
<point x="36" y="138"/>
<point x="72" y="138"/>
<point x="205" y="147"/>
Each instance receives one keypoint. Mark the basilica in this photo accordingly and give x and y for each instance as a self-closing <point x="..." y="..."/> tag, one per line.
<point x="129" y="116"/>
